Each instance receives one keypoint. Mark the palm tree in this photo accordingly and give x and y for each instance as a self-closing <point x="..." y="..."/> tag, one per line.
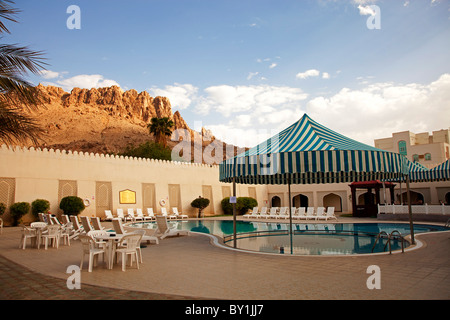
<point x="160" y="128"/>
<point x="16" y="94"/>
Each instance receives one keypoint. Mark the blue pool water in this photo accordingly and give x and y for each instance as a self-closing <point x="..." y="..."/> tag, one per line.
<point x="307" y="239"/>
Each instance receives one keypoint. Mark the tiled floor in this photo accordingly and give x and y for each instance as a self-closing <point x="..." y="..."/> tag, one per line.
<point x="192" y="267"/>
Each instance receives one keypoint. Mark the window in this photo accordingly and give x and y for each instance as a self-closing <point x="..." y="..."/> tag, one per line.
<point x="427" y="156"/>
<point x="416" y="158"/>
<point x="402" y="148"/>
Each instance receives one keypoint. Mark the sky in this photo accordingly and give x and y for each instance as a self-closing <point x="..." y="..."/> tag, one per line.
<point x="246" y="69"/>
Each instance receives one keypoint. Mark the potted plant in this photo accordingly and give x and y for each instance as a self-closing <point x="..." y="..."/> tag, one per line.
<point x="18" y="210"/>
<point x="38" y="206"/>
<point x="200" y="203"/>
<point x="72" y="205"/>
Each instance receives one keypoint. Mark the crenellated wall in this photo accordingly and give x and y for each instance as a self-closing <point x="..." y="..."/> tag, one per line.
<point x="42" y="174"/>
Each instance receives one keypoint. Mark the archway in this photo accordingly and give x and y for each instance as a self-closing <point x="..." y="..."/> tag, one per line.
<point x="447" y="198"/>
<point x="333" y="200"/>
<point x="416" y="198"/>
<point x="300" y="200"/>
<point x="276" y="201"/>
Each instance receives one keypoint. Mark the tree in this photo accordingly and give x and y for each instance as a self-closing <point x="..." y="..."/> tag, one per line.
<point x="160" y="128"/>
<point x="18" y="210"/>
<point x="15" y="92"/>
<point x="200" y="203"/>
<point x="72" y="205"/>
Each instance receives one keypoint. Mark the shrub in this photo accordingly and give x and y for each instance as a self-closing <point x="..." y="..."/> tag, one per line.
<point x="150" y="150"/>
<point x="200" y="203"/>
<point x="39" y="205"/>
<point x="72" y="205"/>
<point x="2" y="208"/>
<point x="18" y="210"/>
<point x="243" y="204"/>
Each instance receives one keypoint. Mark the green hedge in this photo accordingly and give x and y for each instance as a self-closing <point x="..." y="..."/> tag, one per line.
<point x="243" y="204"/>
<point x="72" y="205"/>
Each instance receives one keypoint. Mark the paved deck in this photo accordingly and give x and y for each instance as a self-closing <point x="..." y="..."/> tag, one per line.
<point x="191" y="267"/>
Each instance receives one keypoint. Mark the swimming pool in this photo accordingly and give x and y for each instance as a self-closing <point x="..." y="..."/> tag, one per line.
<point x="307" y="239"/>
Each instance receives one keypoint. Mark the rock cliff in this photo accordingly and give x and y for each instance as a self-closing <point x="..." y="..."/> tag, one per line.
<point x="106" y="120"/>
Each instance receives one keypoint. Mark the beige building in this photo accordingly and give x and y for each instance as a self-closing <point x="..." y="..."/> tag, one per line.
<point x="428" y="150"/>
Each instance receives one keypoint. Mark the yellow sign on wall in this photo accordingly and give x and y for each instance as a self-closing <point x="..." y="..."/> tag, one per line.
<point x="127" y="196"/>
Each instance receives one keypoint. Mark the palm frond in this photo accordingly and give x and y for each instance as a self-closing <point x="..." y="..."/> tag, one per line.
<point x="7" y="12"/>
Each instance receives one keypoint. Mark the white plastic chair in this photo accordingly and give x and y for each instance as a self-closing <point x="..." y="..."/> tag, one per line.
<point x="310" y="214"/>
<point x="164" y="230"/>
<point x="129" y="245"/>
<point x="263" y="213"/>
<point x="139" y="214"/>
<point x="27" y="233"/>
<point x="86" y="224"/>
<point x="178" y="215"/>
<point x="120" y="214"/>
<point x="95" y="221"/>
<point x="164" y="212"/>
<point x="53" y="234"/>
<point x="90" y="248"/>
<point x="273" y="212"/>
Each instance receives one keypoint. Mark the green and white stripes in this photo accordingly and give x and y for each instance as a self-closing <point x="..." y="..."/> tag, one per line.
<point x="307" y="152"/>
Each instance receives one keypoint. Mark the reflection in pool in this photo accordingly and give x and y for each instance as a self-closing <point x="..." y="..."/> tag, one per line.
<point x="307" y="239"/>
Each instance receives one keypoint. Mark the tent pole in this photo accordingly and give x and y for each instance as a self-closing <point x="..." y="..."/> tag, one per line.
<point x="290" y="212"/>
<point x="234" y="214"/>
<point x="411" y="225"/>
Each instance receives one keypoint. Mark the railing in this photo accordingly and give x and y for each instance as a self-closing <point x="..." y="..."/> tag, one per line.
<point x="423" y="209"/>
<point x="389" y="238"/>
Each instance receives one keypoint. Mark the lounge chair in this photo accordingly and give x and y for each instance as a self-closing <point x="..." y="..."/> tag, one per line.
<point x="120" y="214"/>
<point x="147" y="237"/>
<point x="263" y="213"/>
<point x="301" y="213"/>
<point x="108" y="215"/>
<point x="131" y="215"/>
<point x="164" y="212"/>
<point x="320" y="213"/>
<point x="273" y="212"/>
<point x="310" y="214"/>
<point x="328" y="215"/>
<point x="150" y="215"/>
<point x="178" y="215"/>
<point x="139" y="214"/>
<point x="118" y="226"/>
<point x="96" y="223"/>
<point x="77" y="228"/>
<point x="284" y="214"/>
<point x="164" y="230"/>
<point x="253" y="214"/>
<point x="86" y="224"/>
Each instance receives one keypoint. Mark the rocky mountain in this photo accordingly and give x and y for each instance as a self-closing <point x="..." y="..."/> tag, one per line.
<point x="106" y="120"/>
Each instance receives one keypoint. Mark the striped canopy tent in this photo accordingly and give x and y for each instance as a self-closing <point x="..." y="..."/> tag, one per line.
<point x="416" y="173"/>
<point x="307" y="152"/>
<point x="441" y="172"/>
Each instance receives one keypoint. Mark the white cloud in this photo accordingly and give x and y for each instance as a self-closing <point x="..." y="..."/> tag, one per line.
<point x="380" y="109"/>
<point x="251" y="75"/>
<point x="273" y="65"/>
<point x="325" y="75"/>
<point x="228" y="100"/>
<point x="307" y="74"/>
<point x="180" y="95"/>
<point x="366" y="10"/>
<point x="86" y="81"/>
<point x="48" y="74"/>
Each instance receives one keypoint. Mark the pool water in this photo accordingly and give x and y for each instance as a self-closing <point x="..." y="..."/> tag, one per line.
<point x="307" y="239"/>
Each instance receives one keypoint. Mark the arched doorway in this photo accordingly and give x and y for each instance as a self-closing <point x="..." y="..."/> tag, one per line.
<point x="300" y="200"/>
<point x="333" y="200"/>
<point x="416" y="198"/>
<point x="447" y="198"/>
<point x="276" y="201"/>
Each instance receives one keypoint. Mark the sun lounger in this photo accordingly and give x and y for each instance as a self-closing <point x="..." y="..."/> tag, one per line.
<point x="96" y="223"/>
<point x="263" y="213"/>
<point x="86" y="224"/>
<point x="273" y="212"/>
<point x="328" y="215"/>
<point x="131" y="215"/>
<point x="320" y="213"/>
<point x="164" y="212"/>
<point x="310" y="214"/>
<point x="178" y="215"/>
<point x="284" y="214"/>
<point x="139" y="214"/>
<point x="120" y="214"/>
<point x="108" y="215"/>
<point x="150" y="215"/>
<point x="164" y="230"/>
<point x="253" y="214"/>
